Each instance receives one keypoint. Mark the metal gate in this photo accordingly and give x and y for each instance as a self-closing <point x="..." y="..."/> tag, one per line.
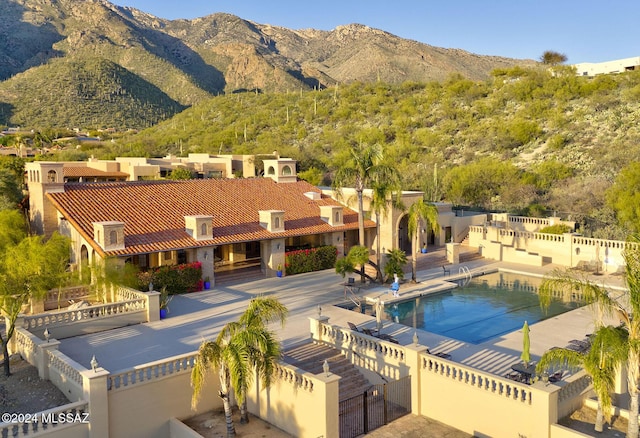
<point x="376" y="407"/>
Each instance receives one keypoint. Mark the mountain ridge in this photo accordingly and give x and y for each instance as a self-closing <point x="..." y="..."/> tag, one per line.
<point x="192" y="60"/>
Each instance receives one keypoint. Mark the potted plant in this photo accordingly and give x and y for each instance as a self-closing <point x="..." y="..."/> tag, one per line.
<point x="424" y="248"/>
<point x="165" y="299"/>
<point x="279" y="270"/>
<point x="207" y="283"/>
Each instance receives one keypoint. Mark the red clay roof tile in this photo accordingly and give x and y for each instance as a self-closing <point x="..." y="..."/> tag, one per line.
<point x="153" y="211"/>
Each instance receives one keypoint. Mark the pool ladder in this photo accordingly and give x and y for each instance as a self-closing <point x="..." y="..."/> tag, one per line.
<point x="467" y="274"/>
<point x="354" y="298"/>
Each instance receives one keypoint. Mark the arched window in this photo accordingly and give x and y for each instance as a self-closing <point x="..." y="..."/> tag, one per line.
<point x="271" y="171"/>
<point x="277" y="223"/>
<point x="52" y="176"/>
<point x="203" y="229"/>
<point x="337" y="216"/>
<point x="286" y="170"/>
<point x="113" y="237"/>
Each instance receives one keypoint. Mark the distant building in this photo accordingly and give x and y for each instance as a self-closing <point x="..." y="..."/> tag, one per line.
<point x="601" y="68"/>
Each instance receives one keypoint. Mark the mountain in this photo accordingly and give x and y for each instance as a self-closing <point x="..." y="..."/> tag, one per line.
<point x="73" y="63"/>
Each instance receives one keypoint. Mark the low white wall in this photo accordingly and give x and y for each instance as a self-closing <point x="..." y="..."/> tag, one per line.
<point x="143" y="399"/>
<point x="484" y="404"/>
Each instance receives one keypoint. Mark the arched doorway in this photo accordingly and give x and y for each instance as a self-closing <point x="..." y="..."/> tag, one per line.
<point x="404" y="242"/>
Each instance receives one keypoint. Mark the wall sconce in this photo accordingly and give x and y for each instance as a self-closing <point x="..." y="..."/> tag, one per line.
<point x="206" y="255"/>
<point x="339" y="238"/>
<point x="577" y="251"/>
<point x="278" y="246"/>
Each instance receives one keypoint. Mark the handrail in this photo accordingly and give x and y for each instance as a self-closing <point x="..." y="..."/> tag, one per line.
<point x="463" y="270"/>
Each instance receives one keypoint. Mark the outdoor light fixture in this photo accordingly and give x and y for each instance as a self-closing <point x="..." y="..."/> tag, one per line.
<point x="319" y="310"/>
<point x="150" y="285"/>
<point x="545" y="378"/>
<point x="278" y="246"/>
<point x="47" y="334"/>
<point x="415" y="338"/>
<point x="94" y="363"/>
<point x="206" y="255"/>
<point x="325" y="368"/>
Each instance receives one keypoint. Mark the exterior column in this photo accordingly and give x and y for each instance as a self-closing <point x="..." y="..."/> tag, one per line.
<point x="413" y="352"/>
<point x="94" y="391"/>
<point x="43" y="357"/>
<point x="329" y="413"/>
<point x="453" y="253"/>
<point x="316" y="326"/>
<point x="153" y="306"/>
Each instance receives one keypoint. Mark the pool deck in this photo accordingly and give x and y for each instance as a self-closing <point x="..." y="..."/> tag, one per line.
<point x="198" y="316"/>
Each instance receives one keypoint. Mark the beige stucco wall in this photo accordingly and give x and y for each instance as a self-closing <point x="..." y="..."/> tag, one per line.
<point x="144" y="409"/>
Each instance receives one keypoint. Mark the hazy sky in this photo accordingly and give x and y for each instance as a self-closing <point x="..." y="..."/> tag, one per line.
<point x="586" y="31"/>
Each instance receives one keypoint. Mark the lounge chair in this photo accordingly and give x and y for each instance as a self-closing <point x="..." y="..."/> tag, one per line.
<point x="556" y="377"/>
<point x="353" y="327"/>
<point x="445" y="271"/>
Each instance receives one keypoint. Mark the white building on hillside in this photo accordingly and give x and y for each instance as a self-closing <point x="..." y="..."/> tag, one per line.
<point x="600" y="68"/>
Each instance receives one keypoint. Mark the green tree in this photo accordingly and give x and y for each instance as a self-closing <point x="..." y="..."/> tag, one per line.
<point x="180" y="173"/>
<point x="396" y="260"/>
<point x="624" y="197"/>
<point x="611" y="306"/>
<point x="550" y="57"/>
<point x="601" y="362"/>
<point x="420" y="212"/>
<point x="313" y="176"/>
<point x="364" y="167"/>
<point x="240" y="349"/>
<point x="28" y="270"/>
<point x="384" y="194"/>
<point x="357" y="258"/>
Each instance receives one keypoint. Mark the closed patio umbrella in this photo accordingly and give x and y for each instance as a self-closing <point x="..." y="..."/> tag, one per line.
<point x="379" y="310"/>
<point x="526" y="344"/>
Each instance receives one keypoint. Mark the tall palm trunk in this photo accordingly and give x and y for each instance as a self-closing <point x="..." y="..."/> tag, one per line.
<point x="378" y="256"/>
<point x="599" y="426"/>
<point x="360" y="217"/>
<point x="633" y="365"/>
<point x="224" y="394"/>
<point x="414" y="258"/>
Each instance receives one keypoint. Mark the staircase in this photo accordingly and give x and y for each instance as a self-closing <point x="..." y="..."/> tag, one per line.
<point x="311" y="356"/>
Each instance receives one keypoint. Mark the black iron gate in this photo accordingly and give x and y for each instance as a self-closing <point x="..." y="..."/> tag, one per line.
<point x="376" y="407"/>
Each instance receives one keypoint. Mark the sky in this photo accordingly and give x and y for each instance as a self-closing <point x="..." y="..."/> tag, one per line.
<point x="585" y="31"/>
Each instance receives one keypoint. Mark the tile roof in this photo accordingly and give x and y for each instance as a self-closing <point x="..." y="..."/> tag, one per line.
<point x="84" y="171"/>
<point x="153" y="211"/>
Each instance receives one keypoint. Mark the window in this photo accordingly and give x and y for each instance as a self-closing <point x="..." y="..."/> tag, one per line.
<point x="52" y="176"/>
<point x="286" y="170"/>
<point x="337" y="219"/>
<point x="271" y="171"/>
<point x="276" y="223"/>
<point x="203" y="230"/>
<point x="113" y="237"/>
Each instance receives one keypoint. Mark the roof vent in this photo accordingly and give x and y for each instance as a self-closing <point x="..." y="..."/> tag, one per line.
<point x="109" y="235"/>
<point x="314" y="196"/>
<point x="199" y="227"/>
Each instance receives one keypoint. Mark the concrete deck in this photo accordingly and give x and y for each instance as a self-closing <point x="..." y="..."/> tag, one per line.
<point x="198" y="316"/>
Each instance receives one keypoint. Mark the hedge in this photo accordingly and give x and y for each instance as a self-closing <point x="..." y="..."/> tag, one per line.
<point x="310" y="260"/>
<point x="178" y="279"/>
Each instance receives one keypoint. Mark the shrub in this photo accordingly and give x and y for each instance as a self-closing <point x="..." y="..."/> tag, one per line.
<point x="556" y="229"/>
<point x="177" y="279"/>
<point x="310" y="260"/>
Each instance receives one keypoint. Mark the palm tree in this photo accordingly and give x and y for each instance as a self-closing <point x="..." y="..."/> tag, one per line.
<point x="364" y="167"/>
<point x="613" y="306"/>
<point x="601" y="362"/>
<point x="241" y="348"/>
<point x="418" y="212"/>
<point x="381" y="191"/>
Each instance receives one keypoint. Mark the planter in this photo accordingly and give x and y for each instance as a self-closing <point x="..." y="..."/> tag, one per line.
<point x="207" y="285"/>
<point x="423" y="250"/>
<point x="163" y="313"/>
<point x="279" y="273"/>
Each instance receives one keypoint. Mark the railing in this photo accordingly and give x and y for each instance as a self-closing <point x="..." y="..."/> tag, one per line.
<point x="152" y="371"/>
<point x="529" y="220"/>
<point x="128" y="294"/>
<point x="289" y="375"/>
<point x="68" y="371"/>
<point x="574" y="388"/>
<point x="54" y="297"/>
<point x="24" y="343"/>
<point x="29" y="424"/>
<point x="87" y="313"/>
<point x="612" y="244"/>
<point x="531" y="235"/>
<point x="364" y="342"/>
<point x="487" y="382"/>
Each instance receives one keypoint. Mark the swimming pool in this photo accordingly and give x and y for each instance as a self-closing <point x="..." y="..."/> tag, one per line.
<point x="487" y="307"/>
